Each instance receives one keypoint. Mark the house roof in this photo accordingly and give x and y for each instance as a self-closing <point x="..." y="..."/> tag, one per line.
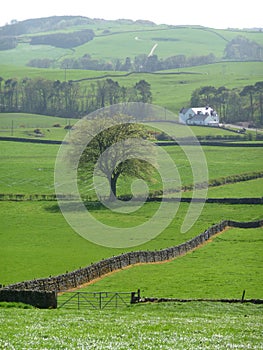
<point x="184" y="110"/>
<point x="205" y="111"/>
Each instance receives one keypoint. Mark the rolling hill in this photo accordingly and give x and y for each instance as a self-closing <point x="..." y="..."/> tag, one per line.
<point x="112" y="40"/>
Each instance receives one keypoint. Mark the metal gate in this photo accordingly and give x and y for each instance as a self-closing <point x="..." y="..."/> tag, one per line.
<point x="95" y="300"/>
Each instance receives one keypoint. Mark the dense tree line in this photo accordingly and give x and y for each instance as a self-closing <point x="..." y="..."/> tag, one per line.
<point x="140" y="63"/>
<point x="7" y="42"/>
<point x="242" y="49"/>
<point x="233" y="105"/>
<point x="64" y="40"/>
<point x="67" y="99"/>
<point x="41" y="63"/>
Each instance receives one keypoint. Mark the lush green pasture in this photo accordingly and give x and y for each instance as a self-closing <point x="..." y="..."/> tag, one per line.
<point x="181" y="131"/>
<point x="53" y="128"/>
<point x="181" y="40"/>
<point x="29" y="168"/>
<point x="26" y="120"/>
<point x="19" y="72"/>
<point x="179" y="326"/>
<point x="46" y="133"/>
<point x="223" y="268"/>
<point x="221" y="161"/>
<point x="23" y="125"/>
<point x="204" y="326"/>
<point x="24" y="53"/>
<point x="36" y="240"/>
<point x="252" y="188"/>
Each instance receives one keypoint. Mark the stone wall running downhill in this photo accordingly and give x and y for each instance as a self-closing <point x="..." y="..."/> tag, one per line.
<point x="76" y="278"/>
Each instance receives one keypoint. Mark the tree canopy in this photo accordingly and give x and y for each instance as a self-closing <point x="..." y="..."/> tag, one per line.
<point x="233" y="105"/>
<point x="116" y="147"/>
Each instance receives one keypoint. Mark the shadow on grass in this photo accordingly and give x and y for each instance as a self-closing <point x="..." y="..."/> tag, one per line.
<point x="75" y="206"/>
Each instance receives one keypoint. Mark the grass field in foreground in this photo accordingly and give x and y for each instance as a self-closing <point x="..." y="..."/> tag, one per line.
<point x="191" y="326"/>
<point x="36" y="240"/>
<point x="223" y="268"/>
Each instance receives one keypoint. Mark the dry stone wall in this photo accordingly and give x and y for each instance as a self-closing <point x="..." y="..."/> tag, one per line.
<point x="76" y="278"/>
<point x="39" y="299"/>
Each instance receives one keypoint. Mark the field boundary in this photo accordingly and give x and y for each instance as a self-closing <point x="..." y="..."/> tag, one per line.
<point x="176" y="300"/>
<point x="74" y="279"/>
<point x="156" y="195"/>
<point x="16" y="197"/>
<point x="24" y="139"/>
<point x="211" y="142"/>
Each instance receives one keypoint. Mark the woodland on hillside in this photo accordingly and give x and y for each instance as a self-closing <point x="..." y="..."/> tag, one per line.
<point x="67" y="99"/>
<point x="73" y="99"/>
<point x="233" y="104"/>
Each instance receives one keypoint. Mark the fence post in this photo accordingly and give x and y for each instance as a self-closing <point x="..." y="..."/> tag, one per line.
<point x="133" y="298"/>
<point x="100" y="301"/>
<point x="243" y="296"/>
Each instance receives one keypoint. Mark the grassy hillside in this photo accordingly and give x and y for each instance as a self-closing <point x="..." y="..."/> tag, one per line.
<point x="121" y="39"/>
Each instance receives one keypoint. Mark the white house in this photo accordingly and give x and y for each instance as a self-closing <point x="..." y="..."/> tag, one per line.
<point x="199" y="116"/>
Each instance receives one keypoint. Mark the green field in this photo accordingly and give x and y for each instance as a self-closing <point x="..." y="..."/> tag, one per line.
<point x="252" y="188"/>
<point x="38" y="242"/>
<point x="223" y="268"/>
<point x="32" y="232"/>
<point x="28" y="121"/>
<point x="29" y="168"/>
<point x="23" y="125"/>
<point x="179" y="326"/>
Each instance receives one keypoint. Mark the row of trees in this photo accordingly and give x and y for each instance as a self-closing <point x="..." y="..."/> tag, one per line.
<point x="233" y="105"/>
<point x="141" y="63"/>
<point x="67" y="99"/>
<point x="239" y="48"/>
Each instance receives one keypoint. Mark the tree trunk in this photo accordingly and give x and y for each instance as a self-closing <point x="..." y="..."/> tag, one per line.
<point x="113" y="185"/>
<point x="251" y="106"/>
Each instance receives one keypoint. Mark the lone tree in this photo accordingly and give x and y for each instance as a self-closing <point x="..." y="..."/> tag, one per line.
<point x="116" y="147"/>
